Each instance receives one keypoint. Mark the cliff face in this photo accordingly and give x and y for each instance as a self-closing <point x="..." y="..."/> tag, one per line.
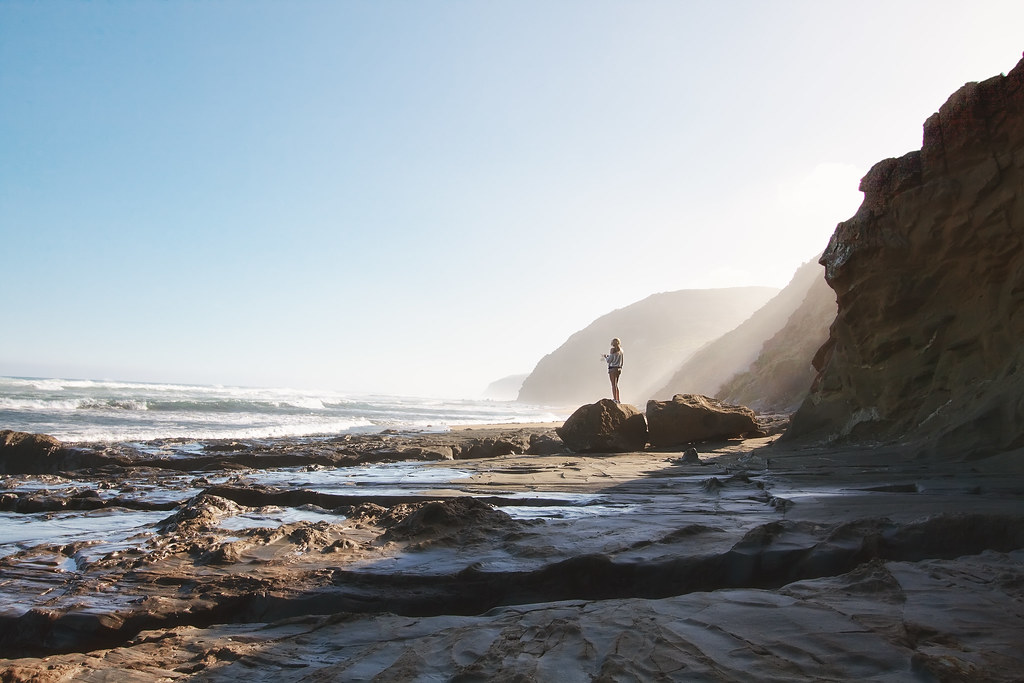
<point x="658" y="334"/>
<point x="927" y="344"/>
<point x="715" y="366"/>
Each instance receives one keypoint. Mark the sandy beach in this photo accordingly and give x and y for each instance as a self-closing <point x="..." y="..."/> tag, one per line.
<point x="764" y="561"/>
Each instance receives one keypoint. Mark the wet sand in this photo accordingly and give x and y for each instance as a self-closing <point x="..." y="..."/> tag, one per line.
<point x="379" y="558"/>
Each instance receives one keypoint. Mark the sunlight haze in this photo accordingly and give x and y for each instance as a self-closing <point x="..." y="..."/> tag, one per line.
<point x="422" y="198"/>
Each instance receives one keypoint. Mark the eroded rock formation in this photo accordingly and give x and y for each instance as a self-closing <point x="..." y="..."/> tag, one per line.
<point x="929" y="279"/>
<point x="691" y="417"/>
<point x="21" y="452"/>
<point x="605" y="427"/>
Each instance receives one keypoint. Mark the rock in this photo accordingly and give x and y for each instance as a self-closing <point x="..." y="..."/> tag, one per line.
<point x="492" y="447"/>
<point x="691" y="417"/>
<point x="690" y="457"/>
<point x="201" y="513"/>
<point x="545" y="444"/>
<point x="23" y="453"/>
<point x="428" y="453"/>
<point x="445" y="521"/>
<point x="929" y="280"/>
<point x="604" y="427"/>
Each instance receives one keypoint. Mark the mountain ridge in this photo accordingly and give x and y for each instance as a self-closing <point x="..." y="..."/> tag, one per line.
<point x="719" y="361"/>
<point x="658" y="334"/>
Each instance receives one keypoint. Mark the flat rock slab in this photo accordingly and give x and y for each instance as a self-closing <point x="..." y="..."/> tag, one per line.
<point x="759" y="561"/>
<point x="942" y="620"/>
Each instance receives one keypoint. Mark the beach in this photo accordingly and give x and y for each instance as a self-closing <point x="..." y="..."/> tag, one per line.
<point x="319" y="312"/>
<point x="489" y="552"/>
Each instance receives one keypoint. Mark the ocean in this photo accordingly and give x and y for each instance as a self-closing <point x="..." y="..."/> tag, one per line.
<point x="75" y="410"/>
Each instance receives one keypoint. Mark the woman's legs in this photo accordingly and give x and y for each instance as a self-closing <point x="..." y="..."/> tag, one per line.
<point x="613" y="375"/>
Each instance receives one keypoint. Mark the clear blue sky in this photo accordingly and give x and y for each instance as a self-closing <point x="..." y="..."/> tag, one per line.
<point x="423" y="197"/>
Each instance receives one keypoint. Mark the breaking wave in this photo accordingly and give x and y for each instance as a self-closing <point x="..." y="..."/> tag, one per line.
<point x="93" y="410"/>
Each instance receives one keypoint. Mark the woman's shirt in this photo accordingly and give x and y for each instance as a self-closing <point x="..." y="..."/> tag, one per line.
<point x="614" y="360"/>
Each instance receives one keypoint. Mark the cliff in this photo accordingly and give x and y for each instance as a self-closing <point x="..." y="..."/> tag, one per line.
<point x="504" y="389"/>
<point x="708" y="370"/>
<point x="929" y="280"/>
<point x="658" y="334"/>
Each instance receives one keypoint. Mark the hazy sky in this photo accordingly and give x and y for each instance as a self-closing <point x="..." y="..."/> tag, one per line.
<point x="422" y="197"/>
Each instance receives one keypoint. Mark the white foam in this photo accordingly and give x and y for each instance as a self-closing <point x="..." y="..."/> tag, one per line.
<point x="195" y="430"/>
<point x="38" y="405"/>
<point x="105" y="411"/>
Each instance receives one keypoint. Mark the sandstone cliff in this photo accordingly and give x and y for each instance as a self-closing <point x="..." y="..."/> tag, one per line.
<point x="707" y="371"/>
<point x="658" y="334"/>
<point x="929" y="279"/>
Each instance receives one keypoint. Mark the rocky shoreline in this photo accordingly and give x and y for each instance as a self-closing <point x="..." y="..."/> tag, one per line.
<point x="377" y="556"/>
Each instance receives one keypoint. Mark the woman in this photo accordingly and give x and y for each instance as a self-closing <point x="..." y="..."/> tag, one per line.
<point x="614" y="359"/>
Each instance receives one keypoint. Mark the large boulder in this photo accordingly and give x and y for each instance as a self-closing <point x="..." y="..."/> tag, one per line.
<point x="24" y="453"/>
<point x="692" y="417"/>
<point x="929" y="277"/>
<point x="604" y="427"/>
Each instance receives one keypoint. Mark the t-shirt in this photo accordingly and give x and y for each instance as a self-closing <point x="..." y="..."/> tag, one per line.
<point x="614" y="360"/>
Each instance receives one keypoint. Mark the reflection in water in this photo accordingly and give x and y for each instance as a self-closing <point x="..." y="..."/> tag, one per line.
<point x="401" y="477"/>
<point x="273" y="518"/>
<point x="119" y="529"/>
<point x="523" y="512"/>
<point x="111" y="529"/>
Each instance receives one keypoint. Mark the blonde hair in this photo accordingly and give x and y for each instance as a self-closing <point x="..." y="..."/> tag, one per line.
<point x="616" y="344"/>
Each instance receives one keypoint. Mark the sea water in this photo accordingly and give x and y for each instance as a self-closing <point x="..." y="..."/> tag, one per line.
<point x="75" y="410"/>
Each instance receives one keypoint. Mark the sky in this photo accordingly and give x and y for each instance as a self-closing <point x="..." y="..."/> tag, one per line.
<point x="420" y="198"/>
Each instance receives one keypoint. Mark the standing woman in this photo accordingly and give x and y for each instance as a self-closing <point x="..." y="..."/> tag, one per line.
<point x="614" y="358"/>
